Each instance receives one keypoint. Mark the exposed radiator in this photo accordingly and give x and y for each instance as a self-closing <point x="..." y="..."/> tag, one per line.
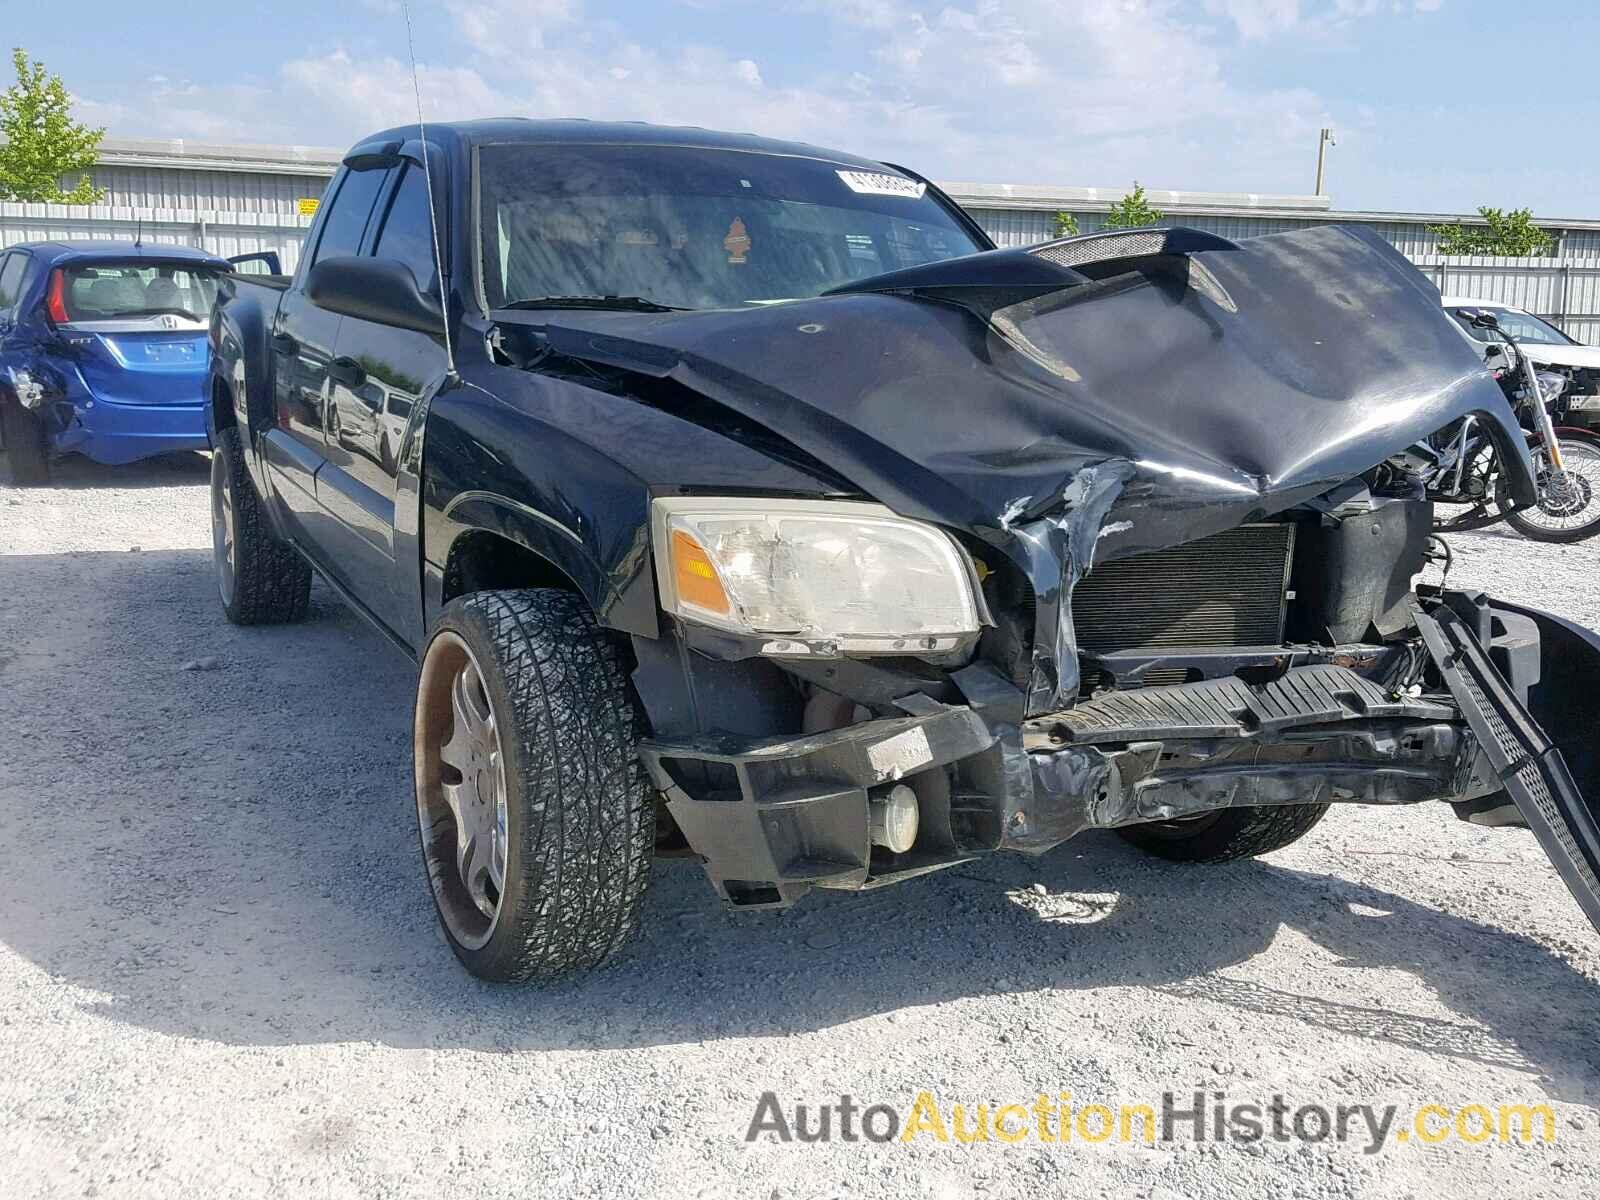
<point x="1229" y="589"/>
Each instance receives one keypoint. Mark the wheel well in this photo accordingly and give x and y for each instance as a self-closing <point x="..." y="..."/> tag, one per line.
<point x="221" y="405"/>
<point x="481" y="561"/>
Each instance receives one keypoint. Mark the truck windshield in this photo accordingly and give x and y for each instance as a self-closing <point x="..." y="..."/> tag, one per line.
<point x="116" y="291"/>
<point x="687" y="227"/>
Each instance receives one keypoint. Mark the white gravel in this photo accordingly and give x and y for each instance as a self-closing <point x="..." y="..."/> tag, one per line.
<point x="220" y="975"/>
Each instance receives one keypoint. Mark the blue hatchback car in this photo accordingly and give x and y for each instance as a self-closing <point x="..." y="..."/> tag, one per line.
<point x="103" y="351"/>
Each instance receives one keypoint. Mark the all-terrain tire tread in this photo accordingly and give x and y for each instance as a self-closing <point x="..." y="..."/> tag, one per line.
<point x="272" y="583"/>
<point x="587" y="806"/>
<point x="1237" y="833"/>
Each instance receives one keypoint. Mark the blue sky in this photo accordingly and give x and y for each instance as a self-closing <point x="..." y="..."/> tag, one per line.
<point x="1439" y="105"/>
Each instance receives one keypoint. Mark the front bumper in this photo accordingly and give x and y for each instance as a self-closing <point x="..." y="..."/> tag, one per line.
<point x="771" y="819"/>
<point x="1583" y="411"/>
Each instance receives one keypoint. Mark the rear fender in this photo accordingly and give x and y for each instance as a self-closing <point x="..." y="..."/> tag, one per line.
<point x="26" y="365"/>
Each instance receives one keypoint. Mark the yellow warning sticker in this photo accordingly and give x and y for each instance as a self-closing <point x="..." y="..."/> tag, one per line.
<point x="308" y="206"/>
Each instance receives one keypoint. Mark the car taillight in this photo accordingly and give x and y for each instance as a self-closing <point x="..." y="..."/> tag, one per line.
<point x="55" y="300"/>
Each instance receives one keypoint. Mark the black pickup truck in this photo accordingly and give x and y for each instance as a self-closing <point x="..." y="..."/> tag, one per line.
<point x="738" y="498"/>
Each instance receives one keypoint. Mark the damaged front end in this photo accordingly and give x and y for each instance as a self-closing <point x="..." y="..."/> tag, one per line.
<point x="1176" y="470"/>
<point x="1453" y="707"/>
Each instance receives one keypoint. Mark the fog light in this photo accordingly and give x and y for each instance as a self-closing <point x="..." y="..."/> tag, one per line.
<point x="892" y="819"/>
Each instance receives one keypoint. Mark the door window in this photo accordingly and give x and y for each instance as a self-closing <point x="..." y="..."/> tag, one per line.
<point x="407" y="235"/>
<point x="346" y="222"/>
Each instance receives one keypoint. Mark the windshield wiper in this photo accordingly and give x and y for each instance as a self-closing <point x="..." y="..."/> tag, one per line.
<point x="619" y="303"/>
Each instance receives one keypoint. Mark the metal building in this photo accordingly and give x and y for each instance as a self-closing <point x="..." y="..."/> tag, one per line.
<point x="228" y="199"/>
<point x="241" y="199"/>
<point x="1563" y="286"/>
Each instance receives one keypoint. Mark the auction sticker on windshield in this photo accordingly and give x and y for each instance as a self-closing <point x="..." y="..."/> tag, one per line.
<point x="872" y="183"/>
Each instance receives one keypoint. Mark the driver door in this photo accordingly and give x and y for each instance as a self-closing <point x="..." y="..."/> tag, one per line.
<point x="378" y="377"/>
<point x="302" y="345"/>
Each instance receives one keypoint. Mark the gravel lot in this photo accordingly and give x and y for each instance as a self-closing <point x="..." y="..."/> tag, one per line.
<point x="220" y="974"/>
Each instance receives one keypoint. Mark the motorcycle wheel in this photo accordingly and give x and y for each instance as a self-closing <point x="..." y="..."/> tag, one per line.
<point x="1569" y="500"/>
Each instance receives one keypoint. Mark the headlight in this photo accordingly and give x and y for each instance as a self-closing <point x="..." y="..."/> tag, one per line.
<point x="1551" y="383"/>
<point x="806" y="572"/>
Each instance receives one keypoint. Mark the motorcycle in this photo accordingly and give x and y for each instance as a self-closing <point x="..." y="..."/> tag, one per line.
<point x="1460" y="465"/>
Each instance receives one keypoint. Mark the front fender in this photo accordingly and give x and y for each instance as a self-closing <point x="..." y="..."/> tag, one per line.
<point x="492" y="466"/>
<point x="614" y="603"/>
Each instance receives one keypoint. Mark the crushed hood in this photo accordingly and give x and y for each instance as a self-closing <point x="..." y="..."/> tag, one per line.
<point x="1069" y="408"/>
<point x="1181" y="395"/>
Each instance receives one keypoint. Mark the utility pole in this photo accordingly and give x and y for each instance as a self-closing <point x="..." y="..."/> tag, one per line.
<point x="1324" y="140"/>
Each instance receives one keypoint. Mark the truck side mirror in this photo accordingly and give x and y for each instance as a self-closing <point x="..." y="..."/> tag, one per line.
<point x="379" y="290"/>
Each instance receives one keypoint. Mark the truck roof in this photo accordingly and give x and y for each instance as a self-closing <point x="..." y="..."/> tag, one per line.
<point x="500" y="130"/>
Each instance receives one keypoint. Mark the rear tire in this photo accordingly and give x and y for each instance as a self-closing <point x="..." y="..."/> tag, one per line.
<point x="260" y="580"/>
<point x="1226" y="835"/>
<point x="27" y="451"/>
<point x="536" y="817"/>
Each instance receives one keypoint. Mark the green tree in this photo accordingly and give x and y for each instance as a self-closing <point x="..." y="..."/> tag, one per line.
<point x="1066" y="225"/>
<point x="1512" y="234"/>
<point x="43" y="144"/>
<point x="1133" y="210"/>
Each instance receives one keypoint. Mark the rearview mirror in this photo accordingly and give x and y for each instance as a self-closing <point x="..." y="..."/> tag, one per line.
<point x="1485" y="320"/>
<point x="1492" y="351"/>
<point x="379" y="290"/>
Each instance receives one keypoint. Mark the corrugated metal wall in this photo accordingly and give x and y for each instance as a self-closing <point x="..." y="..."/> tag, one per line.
<point x="226" y="212"/>
<point x="1564" y="289"/>
<point x="206" y="191"/>
<point x="242" y="211"/>
<point x="1023" y="227"/>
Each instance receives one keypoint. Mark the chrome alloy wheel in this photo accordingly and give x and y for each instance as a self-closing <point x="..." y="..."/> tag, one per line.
<point x="1568" y="497"/>
<point x="461" y="790"/>
<point x="224" y="544"/>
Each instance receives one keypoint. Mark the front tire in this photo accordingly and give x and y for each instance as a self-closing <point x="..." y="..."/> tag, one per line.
<point x="260" y="581"/>
<point x="1568" y="510"/>
<point x="1225" y="835"/>
<point x="535" y="815"/>
<point x="27" y="451"/>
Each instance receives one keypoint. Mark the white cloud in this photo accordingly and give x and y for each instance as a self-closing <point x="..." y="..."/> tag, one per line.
<point x="507" y="28"/>
<point x="1093" y="92"/>
<point x="362" y="96"/>
<point x="1258" y="18"/>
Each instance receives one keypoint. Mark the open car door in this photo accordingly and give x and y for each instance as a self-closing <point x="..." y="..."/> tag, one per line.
<point x="268" y="258"/>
